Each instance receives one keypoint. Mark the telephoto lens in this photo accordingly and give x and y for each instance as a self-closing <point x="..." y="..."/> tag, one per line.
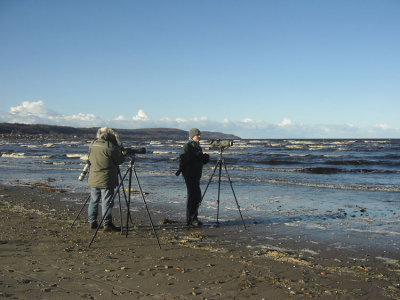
<point x="218" y="144"/>
<point x="84" y="171"/>
<point x="133" y="151"/>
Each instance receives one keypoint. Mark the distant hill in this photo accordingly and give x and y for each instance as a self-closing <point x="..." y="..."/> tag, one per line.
<point x="42" y="131"/>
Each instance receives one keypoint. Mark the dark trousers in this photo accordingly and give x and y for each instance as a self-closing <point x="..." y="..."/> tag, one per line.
<point x="193" y="198"/>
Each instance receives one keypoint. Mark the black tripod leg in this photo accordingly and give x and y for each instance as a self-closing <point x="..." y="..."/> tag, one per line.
<point x="108" y="208"/>
<point x="123" y="191"/>
<point x="128" y="202"/>
<point x="145" y="204"/>
<point x="209" y="181"/>
<point x="102" y="219"/>
<point x="120" y="210"/>
<point x="234" y="195"/>
<point x="219" y="189"/>
<point x="83" y="206"/>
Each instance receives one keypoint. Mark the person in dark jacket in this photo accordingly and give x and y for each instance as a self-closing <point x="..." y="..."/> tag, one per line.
<point x="105" y="155"/>
<point x="191" y="164"/>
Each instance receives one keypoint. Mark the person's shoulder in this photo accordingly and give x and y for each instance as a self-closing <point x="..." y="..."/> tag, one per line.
<point x="105" y="144"/>
<point x="190" y="144"/>
<point x="97" y="142"/>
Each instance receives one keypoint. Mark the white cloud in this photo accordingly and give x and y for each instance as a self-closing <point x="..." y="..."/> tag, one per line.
<point x="248" y="121"/>
<point x="166" y="119"/>
<point x="225" y="123"/>
<point x="180" y="120"/>
<point x="141" y="116"/>
<point x="36" y="112"/>
<point x="382" y="126"/>
<point x="120" y="118"/>
<point x="81" y="117"/>
<point x="251" y="124"/>
<point x="196" y="119"/>
<point x="285" y="122"/>
<point x="27" y="108"/>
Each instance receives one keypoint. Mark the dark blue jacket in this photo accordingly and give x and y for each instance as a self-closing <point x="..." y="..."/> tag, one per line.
<point x="192" y="160"/>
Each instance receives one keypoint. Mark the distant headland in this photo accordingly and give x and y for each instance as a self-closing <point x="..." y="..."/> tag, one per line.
<point x="43" y="131"/>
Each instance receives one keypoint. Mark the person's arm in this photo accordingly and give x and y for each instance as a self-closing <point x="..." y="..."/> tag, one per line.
<point x="116" y="156"/>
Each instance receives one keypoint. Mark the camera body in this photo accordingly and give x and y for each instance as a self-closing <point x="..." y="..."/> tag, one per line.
<point x="84" y="171"/>
<point x="218" y="144"/>
<point x="132" y="151"/>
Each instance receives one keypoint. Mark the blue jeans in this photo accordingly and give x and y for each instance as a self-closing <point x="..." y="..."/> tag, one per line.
<point x="106" y="197"/>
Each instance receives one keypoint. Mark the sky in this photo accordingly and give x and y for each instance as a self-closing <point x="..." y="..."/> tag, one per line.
<point x="256" y="68"/>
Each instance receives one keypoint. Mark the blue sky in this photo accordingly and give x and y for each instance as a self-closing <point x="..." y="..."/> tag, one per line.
<point x="258" y="69"/>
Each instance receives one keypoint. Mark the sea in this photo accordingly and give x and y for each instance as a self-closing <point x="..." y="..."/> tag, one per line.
<point x="328" y="185"/>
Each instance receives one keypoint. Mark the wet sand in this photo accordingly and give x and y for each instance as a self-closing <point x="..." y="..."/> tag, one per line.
<point x="43" y="257"/>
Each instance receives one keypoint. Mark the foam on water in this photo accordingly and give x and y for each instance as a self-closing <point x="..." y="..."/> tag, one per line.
<point x="24" y="155"/>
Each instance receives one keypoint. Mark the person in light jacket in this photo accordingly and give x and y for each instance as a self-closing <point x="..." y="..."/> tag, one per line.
<point x="105" y="155"/>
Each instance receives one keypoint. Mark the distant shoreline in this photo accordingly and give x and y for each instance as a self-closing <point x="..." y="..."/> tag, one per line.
<point x="43" y="131"/>
<point x="18" y="131"/>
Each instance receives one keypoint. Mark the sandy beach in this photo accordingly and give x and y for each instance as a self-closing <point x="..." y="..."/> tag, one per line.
<point x="43" y="257"/>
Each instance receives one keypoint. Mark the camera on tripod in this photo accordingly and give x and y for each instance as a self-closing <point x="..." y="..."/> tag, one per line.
<point x="132" y="151"/>
<point x="84" y="171"/>
<point x="218" y="144"/>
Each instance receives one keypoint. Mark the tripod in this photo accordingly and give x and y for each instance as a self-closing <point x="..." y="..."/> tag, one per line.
<point x="119" y="200"/>
<point x="130" y="170"/>
<point x="218" y="165"/>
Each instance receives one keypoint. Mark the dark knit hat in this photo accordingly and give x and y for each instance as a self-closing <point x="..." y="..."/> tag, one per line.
<point x="193" y="132"/>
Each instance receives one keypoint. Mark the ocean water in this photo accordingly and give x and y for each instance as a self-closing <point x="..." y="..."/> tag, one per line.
<point x="330" y="185"/>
